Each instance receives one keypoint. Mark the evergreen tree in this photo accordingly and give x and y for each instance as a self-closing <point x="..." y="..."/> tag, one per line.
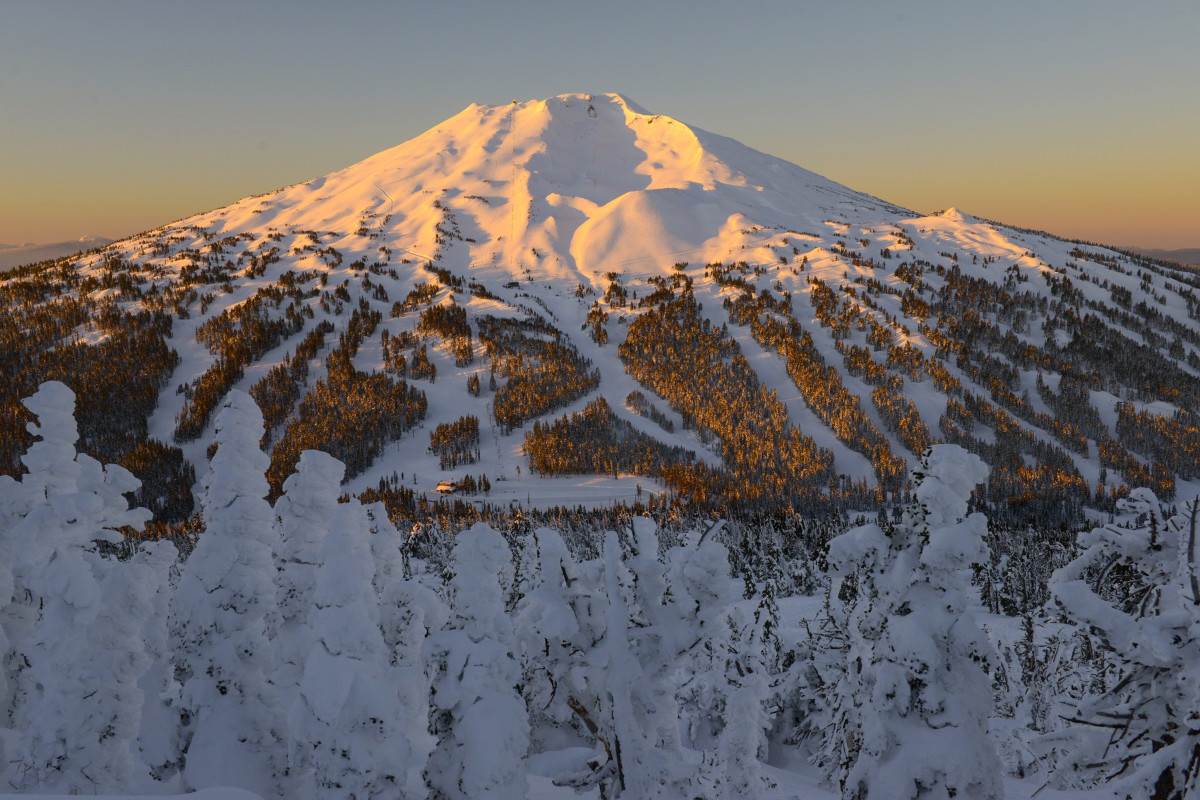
<point x="305" y="516"/>
<point x="742" y="743"/>
<point x="905" y="693"/>
<point x="408" y="613"/>
<point x="723" y="658"/>
<point x="479" y="719"/>
<point x="1134" y="591"/>
<point x="635" y="663"/>
<point x="551" y="621"/>
<point x="159" y="740"/>
<point x="223" y="616"/>
<point x="81" y="622"/>
<point x="345" y="722"/>
<point x="13" y="507"/>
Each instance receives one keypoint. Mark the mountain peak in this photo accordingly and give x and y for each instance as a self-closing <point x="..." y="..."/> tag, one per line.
<point x="579" y="214"/>
<point x="568" y="187"/>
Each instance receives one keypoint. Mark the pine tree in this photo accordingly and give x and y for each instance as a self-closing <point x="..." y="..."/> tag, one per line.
<point x="742" y="743"/>
<point x="159" y="740"/>
<point x="408" y="613"/>
<point x="723" y="662"/>
<point x="346" y="721"/>
<point x="82" y="617"/>
<point x="1134" y="591"/>
<point x="904" y="694"/>
<point x="223" y="616"/>
<point x="13" y="506"/>
<point x="478" y="717"/>
<point x="551" y="623"/>
<point x="637" y="659"/>
<point x="117" y="649"/>
<point x="304" y="515"/>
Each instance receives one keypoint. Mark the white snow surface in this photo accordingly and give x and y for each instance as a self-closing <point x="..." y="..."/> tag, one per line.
<point x="212" y="793"/>
<point x="555" y="195"/>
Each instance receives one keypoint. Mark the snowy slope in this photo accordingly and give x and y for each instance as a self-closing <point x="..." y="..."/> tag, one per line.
<point x="541" y="201"/>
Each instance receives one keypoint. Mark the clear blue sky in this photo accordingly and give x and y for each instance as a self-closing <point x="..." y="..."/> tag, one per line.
<point x="1081" y="118"/>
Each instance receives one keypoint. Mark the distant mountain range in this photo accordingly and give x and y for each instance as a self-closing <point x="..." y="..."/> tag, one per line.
<point x="576" y="303"/>
<point x="15" y="255"/>
<point x="1187" y="255"/>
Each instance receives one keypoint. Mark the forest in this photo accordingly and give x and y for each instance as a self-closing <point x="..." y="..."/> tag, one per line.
<point x="855" y="502"/>
<point x="308" y="646"/>
<point x="862" y="350"/>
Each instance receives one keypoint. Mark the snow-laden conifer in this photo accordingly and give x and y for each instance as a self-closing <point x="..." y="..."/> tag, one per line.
<point x="223" y="614"/>
<point x="346" y="720"/>
<point x="635" y="665"/>
<point x="477" y="715"/>
<point x="80" y="624"/>
<point x="742" y="743"/>
<point x="905" y="691"/>
<point x="702" y="590"/>
<point x="1134" y="590"/>
<point x="723" y="664"/>
<point x="121" y="659"/>
<point x="552" y="621"/>
<point x="408" y="613"/>
<point x="159" y="739"/>
<point x="305" y="515"/>
<point x="12" y="508"/>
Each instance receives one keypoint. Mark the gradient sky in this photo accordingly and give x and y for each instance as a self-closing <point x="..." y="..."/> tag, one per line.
<point x="1079" y="118"/>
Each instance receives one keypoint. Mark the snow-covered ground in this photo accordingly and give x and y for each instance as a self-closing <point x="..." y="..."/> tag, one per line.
<point x="538" y="200"/>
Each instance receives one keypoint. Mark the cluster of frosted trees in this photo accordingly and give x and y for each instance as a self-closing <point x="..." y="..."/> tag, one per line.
<point x="302" y="651"/>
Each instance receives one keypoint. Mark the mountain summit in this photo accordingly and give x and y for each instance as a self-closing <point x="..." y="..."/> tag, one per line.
<point x="575" y="303"/>
<point x="570" y="187"/>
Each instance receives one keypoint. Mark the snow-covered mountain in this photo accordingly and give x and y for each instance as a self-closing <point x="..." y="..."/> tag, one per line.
<point x="591" y="183"/>
<point x="803" y="340"/>
<point x="15" y="255"/>
<point x="555" y="312"/>
<point x="1184" y="255"/>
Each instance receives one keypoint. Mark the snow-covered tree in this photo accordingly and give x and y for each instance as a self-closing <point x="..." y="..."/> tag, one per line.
<point x="223" y="614"/>
<point x="659" y="635"/>
<point x="117" y="648"/>
<point x="80" y="625"/>
<point x="606" y="641"/>
<point x="724" y="661"/>
<point x="346" y="721"/>
<point x="159" y="739"/>
<point x="12" y="508"/>
<point x="702" y="591"/>
<point x="408" y="613"/>
<point x="552" y="623"/>
<point x="390" y="549"/>
<point x="1134" y="590"/>
<point x="633" y="669"/>
<point x="904" y="693"/>
<point x="53" y="474"/>
<point x="477" y="715"/>
<point x="742" y="743"/>
<point x="304" y="514"/>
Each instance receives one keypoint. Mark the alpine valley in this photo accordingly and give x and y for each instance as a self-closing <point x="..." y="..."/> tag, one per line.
<point x="573" y="314"/>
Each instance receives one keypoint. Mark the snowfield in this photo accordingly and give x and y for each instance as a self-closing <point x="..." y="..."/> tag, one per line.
<point x="539" y="201"/>
<point x="304" y="647"/>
